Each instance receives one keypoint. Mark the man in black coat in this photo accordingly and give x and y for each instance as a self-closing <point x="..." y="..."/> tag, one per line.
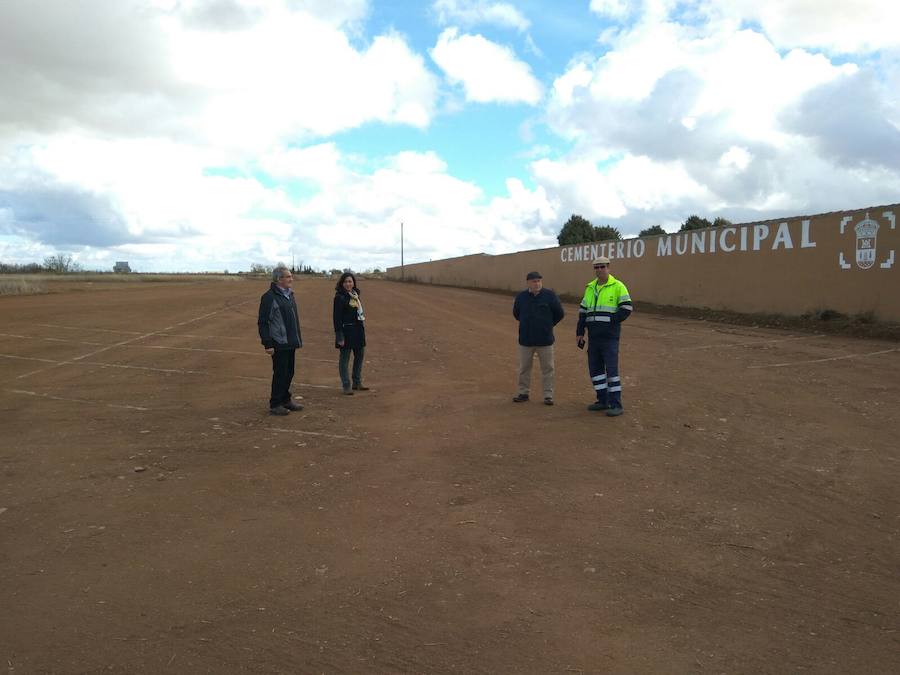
<point x="538" y="310"/>
<point x="279" y="331"/>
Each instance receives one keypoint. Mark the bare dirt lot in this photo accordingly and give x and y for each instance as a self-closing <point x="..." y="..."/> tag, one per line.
<point x="742" y="516"/>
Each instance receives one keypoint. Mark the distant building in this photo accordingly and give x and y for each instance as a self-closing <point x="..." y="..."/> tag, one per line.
<point x="122" y="267"/>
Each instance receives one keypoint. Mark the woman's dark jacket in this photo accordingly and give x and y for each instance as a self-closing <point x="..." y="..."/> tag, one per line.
<point x="537" y="315"/>
<point x="347" y="326"/>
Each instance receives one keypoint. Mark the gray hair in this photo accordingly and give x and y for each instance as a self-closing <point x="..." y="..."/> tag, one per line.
<point x="280" y="271"/>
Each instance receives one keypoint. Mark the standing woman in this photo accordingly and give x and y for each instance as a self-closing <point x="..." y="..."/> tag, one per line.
<point x="349" y="331"/>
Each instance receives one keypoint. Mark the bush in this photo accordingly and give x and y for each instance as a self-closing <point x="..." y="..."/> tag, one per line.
<point x="827" y="315"/>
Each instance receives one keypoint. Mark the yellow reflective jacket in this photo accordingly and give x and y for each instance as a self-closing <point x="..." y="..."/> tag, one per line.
<point x="603" y="309"/>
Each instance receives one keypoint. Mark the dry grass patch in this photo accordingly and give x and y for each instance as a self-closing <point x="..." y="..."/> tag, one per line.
<point x="20" y="286"/>
<point x="109" y="277"/>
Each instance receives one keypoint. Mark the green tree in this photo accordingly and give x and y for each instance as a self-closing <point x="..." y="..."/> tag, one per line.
<point x="606" y="232"/>
<point x="650" y="231"/>
<point x="722" y="222"/>
<point x="577" y="230"/>
<point x="694" y="222"/>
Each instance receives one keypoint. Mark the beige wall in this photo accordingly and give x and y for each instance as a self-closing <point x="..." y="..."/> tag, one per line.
<point x="785" y="266"/>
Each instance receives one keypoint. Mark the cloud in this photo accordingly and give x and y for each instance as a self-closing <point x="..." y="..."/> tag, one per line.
<point x="848" y="121"/>
<point x="476" y="12"/>
<point x="193" y="134"/>
<point x="167" y="210"/>
<point x="852" y="26"/>
<point x="336" y="12"/>
<point x="320" y="163"/>
<point x="841" y="27"/>
<point x="612" y="8"/>
<point x="488" y="72"/>
<point x="220" y="14"/>
<point x="240" y="14"/>
<point x="99" y="65"/>
<point x="66" y="216"/>
<point x="294" y="75"/>
<point x="229" y="72"/>
<point x="712" y="118"/>
<point x="443" y="215"/>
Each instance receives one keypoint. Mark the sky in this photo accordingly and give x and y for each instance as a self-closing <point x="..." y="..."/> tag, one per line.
<point x="206" y="135"/>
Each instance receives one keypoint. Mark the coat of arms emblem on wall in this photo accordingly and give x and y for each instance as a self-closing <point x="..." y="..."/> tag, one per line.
<point x="866" y="231"/>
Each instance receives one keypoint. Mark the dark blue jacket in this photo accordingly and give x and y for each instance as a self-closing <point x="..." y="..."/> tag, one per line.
<point x="537" y="315"/>
<point x="347" y="326"/>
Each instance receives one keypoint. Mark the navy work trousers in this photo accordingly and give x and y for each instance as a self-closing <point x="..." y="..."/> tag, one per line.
<point x="603" y="365"/>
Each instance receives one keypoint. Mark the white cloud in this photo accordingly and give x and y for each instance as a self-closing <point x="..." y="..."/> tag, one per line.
<point x="487" y="71"/>
<point x="850" y="26"/>
<point x="476" y="12"/>
<point x="244" y="74"/>
<point x="238" y="14"/>
<point x="336" y="12"/>
<point x="611" y="8"/>
<point x="631" y="184"/>
<point x="578" y="76"/>
<point x="443" y="216"/>
<point x="318" y="163"/>
<point x="580" y="182"/>
<point x="268" y="82"/>
<point x="732" y="82"/>
<point x="843" y="27"/>
<point x="735" y="158"/>
<point x="167" y="211"/>
<point x="142" y="127"/>
<point x="705" y="116"/>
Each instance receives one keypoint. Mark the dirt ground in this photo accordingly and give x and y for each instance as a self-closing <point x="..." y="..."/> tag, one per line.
<point x="741" y="517"/>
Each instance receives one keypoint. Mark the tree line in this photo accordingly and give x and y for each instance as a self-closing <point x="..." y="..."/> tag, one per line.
<point x="579" y="230"/>
<point x="261" y="269"/>
<point x="60" y="263"/>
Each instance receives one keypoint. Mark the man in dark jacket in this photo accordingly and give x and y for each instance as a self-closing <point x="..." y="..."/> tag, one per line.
<point x="279" y="331"/>
<point x="538" y="310"/>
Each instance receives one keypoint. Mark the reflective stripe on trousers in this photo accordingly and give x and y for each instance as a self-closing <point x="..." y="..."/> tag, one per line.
<point x="603" y="365"/>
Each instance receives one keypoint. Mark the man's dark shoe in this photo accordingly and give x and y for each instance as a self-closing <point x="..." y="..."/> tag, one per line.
<point x="279" y="410"/>
<point x="548" y="401"/>
<point x="520" y="398"/>
<point x="293" y="407"/>
<point x="597" y="406"/>
<point x="359" y="387"/>
<point x="614" y="412"/>
<point x="348" y="391"/>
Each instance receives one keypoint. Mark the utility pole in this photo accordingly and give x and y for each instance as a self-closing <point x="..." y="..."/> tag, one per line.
<point x="402" y="270"/>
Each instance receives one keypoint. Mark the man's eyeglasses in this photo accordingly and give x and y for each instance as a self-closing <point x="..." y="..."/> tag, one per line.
<point x="599" y="267"/>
